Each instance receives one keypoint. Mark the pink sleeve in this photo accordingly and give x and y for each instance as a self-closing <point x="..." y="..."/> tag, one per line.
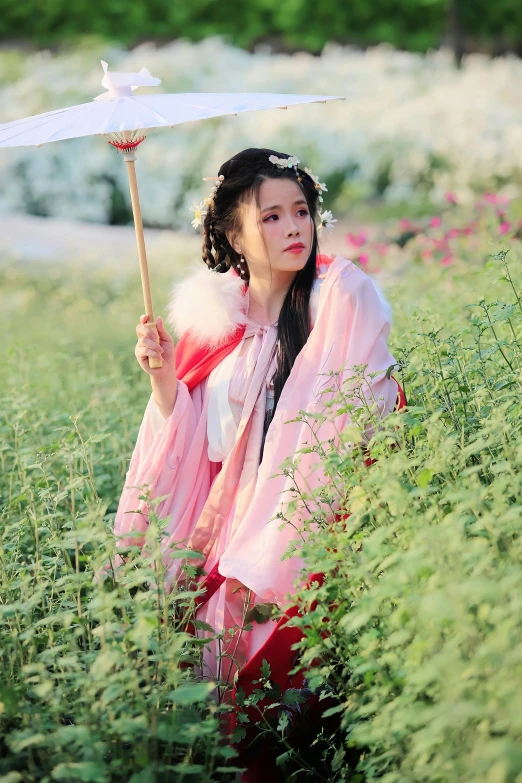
<point x="367" y="347"/>
<point x="170" y="459"/>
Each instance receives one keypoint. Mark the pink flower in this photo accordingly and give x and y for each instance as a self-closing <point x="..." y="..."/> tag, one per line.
<point x="440" y="244"/>
<point x="380" y="248"/>
<point x="467" y="230"/>
<point x="493" y="198"/>
<point x="447" y="260"/>
<point x="435" y="222"/>
<point x="406" y="225"/>
<point x="450" y="197"/>
<point x="364" y="259"/>
<point x="504" y="227"/>
<point x="357" y="240"/>
<point x="427" y="254"/>
<point x="452" y="233"/>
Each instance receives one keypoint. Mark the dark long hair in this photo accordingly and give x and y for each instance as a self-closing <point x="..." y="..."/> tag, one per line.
<point x="243" y="176"/>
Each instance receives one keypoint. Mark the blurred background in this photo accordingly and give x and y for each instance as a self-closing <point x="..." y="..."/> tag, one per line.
<point x="432" y="108"/>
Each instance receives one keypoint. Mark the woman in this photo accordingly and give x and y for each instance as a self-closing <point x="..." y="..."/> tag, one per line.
<point x="257" y="339"/>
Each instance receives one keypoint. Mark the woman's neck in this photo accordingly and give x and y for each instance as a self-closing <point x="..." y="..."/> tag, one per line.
<point x="266" y="297"/>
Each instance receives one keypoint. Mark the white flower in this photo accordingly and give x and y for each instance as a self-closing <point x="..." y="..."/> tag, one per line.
<point x="199" y="213"/>
<point x="327" y="221"/>
<point x="319" y="185"/>
<point x="284" y="163"/>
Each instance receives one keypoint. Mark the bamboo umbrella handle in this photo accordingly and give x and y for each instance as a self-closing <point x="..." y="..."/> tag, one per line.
<point x="129" y="158"/>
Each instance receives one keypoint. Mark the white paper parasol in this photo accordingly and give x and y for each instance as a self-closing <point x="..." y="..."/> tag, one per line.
<point x="125" y="119"/>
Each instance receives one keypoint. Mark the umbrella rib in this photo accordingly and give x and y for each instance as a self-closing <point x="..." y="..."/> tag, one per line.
<point x="110" y="118"/>
<point x="41" y="124"/>
<point x="48" y="115"/>
<point x="193" y="105"/>
<point x="207" y="108"/>
<point x="88" y="109"/>
<point x="155" y="113"/>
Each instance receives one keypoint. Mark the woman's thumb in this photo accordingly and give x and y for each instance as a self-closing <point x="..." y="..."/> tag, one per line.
<point x="161" y="329"/>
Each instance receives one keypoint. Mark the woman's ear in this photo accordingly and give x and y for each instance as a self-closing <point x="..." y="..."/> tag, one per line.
<point x="233" y="241"/>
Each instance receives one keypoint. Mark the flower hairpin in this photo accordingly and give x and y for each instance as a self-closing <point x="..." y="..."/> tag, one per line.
<point x="284" y="163"/>
<point x="327" y="221"/>
<point x="320" y="186"/>
<point x="199" y="209"/>
<point x="326" y="218"/>
<point x="215" y="187"/>
<point x="199" y="213"/>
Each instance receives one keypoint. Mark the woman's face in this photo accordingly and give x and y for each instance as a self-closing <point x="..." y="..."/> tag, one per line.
<point x="284" y="219"/>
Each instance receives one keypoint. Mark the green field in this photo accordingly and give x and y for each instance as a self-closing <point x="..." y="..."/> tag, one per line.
<point x="422" y="660"/>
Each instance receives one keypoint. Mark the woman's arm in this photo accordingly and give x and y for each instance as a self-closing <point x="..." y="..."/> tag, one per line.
<point x="165" y="392"/>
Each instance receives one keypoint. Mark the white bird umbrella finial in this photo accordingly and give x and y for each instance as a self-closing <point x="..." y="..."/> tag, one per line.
<point x="120" y="83"/>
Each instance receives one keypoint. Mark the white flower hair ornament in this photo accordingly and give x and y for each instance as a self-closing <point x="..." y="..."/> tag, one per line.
<point x="327" y="221"/>
<point x="326" y="218"/>
<point x="284" y="163"/>
<point x="199" y="209"/>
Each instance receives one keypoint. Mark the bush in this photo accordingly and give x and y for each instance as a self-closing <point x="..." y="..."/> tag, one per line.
<point x="94" y="677"/>
<point x="408" y="24"/>
<point x="416" y="635"/>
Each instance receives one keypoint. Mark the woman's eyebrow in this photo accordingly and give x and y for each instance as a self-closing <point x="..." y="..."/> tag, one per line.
<point x="278" y="206"/>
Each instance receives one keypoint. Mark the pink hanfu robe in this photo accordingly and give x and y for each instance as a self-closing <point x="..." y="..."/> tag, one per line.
<point x="221" y="500"/>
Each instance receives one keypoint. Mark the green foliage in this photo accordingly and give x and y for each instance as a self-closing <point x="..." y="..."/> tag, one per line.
<point x="96" y="676"/>
<point x="413" y="24"/>
<point x="416" y="633"/>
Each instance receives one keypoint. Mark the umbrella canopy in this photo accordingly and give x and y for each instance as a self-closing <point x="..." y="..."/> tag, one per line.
<point x="125" y="119"/>
<point x="118" y="109"/>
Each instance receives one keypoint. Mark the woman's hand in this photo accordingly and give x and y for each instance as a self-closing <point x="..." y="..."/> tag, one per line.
<point x="148" y="345"/>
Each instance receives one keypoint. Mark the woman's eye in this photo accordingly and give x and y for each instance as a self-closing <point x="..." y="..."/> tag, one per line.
<point x="300" y="210"/>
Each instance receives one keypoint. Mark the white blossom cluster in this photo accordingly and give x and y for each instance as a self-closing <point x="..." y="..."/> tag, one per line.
<point x="409" y="120"/>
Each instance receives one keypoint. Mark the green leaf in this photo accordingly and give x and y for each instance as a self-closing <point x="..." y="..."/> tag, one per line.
<point x="283" y="723"/>
<point x="424" y="477"/>
<point x="282" y="760"/>
<point x="333" y="710"/>
<point x="88" y="771"/>
<point x="265" y="669"/>
<point x="191" y="692"/>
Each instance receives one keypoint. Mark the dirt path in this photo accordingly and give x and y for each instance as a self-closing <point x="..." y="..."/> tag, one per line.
<point x="28" y="238"/>
<point x="37" y="239"/>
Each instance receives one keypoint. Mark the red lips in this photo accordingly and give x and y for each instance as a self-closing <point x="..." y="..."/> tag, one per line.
<point x="295" y="244"/>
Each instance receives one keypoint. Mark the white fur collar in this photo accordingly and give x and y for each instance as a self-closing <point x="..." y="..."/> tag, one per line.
<point x="212" y="306"/>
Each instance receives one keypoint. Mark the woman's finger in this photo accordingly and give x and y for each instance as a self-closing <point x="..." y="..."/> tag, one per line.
<point x="147" y="343"/>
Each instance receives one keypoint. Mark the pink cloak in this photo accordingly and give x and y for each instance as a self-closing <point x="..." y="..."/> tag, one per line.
<point x="230" y="511"/>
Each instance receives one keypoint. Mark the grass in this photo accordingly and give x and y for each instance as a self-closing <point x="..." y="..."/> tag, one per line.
<point x="424" y="651"/>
